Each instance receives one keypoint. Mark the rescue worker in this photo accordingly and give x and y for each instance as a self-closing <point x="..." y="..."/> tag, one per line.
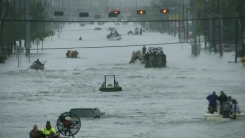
<point x="136" y="30"/>
<point x="48" y="129"/>
<point x="37" y="62"/>
<point x="212" y="98"/>
<point x="235" y="107"/>
<point x="144" y="50"/>
<point x="222" y="97"/>
<point x="35" y="133"/>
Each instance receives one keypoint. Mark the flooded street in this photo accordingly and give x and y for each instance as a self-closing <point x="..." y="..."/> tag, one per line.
<point x="155" y="103"/>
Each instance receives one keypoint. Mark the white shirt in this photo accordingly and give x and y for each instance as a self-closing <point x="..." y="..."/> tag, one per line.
<point x="233" y="108"/>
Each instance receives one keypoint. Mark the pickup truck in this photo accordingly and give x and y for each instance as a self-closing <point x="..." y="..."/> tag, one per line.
<point x="88" y="112"/>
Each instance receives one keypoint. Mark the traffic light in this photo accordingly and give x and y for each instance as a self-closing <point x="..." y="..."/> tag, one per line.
<point x="141" y="12"/>
<point x="58" y="13"/>
<point x="83" y="14"/>
<point x="164" y="11"/>
<point x="116" y="12"/>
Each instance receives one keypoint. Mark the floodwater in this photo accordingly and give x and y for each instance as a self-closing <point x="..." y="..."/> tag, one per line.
<point x="155" y="103"/>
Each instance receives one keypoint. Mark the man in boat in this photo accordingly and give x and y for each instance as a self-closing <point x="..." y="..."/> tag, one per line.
<point x="235" y="107"/>
<point x="35" y="133"/>
<point x="222" y="97"/>
<point x="75" y="53"/>
<point x="48" y="129"/>
<point x="212" y="98"/>
<point x="37" y="62"/>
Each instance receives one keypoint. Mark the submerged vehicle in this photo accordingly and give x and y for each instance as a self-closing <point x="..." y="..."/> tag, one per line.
<point x="110" y="87"/>
<point x="72" y="54"/>
<point x="38" y="66"/>
<point x="88" y="112"/>
<point x="97" y="28"/>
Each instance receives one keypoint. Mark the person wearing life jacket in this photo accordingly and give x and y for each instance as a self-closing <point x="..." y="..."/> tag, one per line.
<point x="48" y="129"/>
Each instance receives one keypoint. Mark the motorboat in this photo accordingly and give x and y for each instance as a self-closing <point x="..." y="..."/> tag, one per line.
<point x="110" y="87"/>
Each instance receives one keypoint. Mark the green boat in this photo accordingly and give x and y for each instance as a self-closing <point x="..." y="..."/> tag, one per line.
<point x="110" y="87"/>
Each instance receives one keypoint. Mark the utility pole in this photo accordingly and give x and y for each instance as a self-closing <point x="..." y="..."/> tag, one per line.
<point x="194" y="29"/>
<point x="242" y="29"/>
<point x="27" y="41"/>
<point x="220" y="29"/>
<point x="214" y="30"/>
<point x="206" y="27"/>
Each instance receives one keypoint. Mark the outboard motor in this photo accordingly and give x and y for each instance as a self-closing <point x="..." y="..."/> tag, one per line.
<point x="226" y="108"/>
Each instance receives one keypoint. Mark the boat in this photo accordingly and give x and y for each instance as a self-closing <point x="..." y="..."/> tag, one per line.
<point x="137" y="57"/>
<point x="110" y="87"/>
<point x="115" y="37"/>
<point x="225" y="116"/>
<point x="72" y="54"/>
<point x="37" y="66"/>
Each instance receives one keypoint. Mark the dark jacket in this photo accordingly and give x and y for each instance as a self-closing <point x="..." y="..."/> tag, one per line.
<point x="36" y="134"/>
<point x="212" y="98"/>
<point x="222" y="98"/>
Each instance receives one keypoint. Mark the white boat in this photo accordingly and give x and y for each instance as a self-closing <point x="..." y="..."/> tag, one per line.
<point x="216" y="116"/>
<point x="119" y="37"/>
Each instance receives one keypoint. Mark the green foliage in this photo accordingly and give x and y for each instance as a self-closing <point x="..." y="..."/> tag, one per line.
<point x="2" y="58"/>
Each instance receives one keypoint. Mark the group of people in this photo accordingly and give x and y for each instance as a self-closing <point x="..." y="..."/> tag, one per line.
<point x="154" y="58"/>
<point x="113" y="33"/>
<point x="47" y="132"/>
<point x="137" y="30"/>
<point x="71" y="53"/>
<point x="137" y="55"/>
<point x="151" y="58"/>
<point x="213" y="105"/>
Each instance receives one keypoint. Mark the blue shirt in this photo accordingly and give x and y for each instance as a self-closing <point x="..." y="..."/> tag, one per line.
<point x="212" y="99"/>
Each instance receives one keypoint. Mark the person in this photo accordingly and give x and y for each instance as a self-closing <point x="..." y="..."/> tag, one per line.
<point x="80" y="38"/>
<point x="235" y="107"/>
<point x="144" y="50"/>
<point x="212" y="98"/>
<point x="37" y="62"/>
<point x="164" y="59"/>
<point x="222" y="97"/>
<point x="35" y="133"/>
<point x="136" y="30"/>
<point x="116" y="33"/>
<point x="48" y="129"/>
<point x="140" y="30"/>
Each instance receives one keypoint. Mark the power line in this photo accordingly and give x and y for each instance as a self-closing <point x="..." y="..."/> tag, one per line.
<point x="123" y="46"/>
<point x="18" y="20"/>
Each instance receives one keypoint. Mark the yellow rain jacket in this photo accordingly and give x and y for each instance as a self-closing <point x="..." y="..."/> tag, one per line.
<point x="47" y="132"/>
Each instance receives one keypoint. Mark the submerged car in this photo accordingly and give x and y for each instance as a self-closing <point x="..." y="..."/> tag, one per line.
<point x="88" y="112"/>
<point x="97" y="29"/>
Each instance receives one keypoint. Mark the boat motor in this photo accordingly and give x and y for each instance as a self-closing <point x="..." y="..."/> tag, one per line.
<point x="226" y="108"/>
